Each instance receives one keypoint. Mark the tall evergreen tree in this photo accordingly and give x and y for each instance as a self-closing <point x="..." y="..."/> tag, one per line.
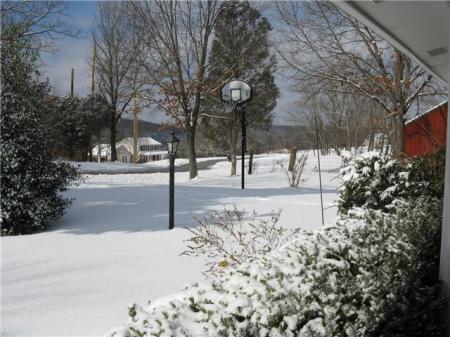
<point x="241" y="49"/>
<point x="75" y="123"/>
<point x="30" y="180"/>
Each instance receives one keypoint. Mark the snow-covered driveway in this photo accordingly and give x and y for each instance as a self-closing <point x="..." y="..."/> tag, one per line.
<point x="113" y="246"/>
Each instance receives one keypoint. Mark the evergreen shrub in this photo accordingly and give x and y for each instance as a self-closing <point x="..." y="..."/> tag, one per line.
<point x="30" y="181"/>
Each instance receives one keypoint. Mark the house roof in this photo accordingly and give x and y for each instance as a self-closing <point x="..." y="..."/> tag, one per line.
<point x="127" y="143"/>
<point x="426" y="112"/>
<point x="141" y="141"/>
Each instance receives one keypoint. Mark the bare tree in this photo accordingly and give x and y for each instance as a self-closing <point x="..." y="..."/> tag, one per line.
<point x="343" y="121"/>
<point x="177" y="38"/>
<point x="232" y="236"/>
<point x="39" y="21"/>
<point x="328" y="48"/>
<point x="118" y="59"/>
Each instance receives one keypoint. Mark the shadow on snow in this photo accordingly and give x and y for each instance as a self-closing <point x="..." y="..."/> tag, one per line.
<point x="145" y="208"/>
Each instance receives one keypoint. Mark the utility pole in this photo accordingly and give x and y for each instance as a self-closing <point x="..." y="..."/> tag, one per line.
<point x="99" y="145"/>
<point x="136" y="110"/>
<point x="71" y="82"/>
<point x="318" y="163"/>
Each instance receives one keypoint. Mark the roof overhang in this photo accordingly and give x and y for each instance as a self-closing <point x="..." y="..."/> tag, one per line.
<point x="419" y="29"/>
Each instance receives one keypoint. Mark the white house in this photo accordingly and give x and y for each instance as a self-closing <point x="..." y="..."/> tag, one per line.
<point x="149" y="149"/>
<point x="105" y="152"/>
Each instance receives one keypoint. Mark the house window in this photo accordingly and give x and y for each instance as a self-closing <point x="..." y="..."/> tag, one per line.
<point x="124" y="159"/>
<point x="150" y="147"/>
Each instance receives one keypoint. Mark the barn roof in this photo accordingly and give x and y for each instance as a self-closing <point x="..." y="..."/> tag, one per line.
<point x="426" y="112"/>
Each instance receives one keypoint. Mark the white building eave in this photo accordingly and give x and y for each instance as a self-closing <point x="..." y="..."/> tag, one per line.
<point x="373" y="13"/>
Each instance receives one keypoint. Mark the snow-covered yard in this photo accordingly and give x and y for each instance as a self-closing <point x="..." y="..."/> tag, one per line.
<point x="113" y="246"/>
<point x="119" y="167"/>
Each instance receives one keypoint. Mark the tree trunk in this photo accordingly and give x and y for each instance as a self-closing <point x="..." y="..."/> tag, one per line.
<point x="348" y="133"/>
<point x="371" y="139"/>
<point x="397" y="149"/>
<point x="292" y="158"/>
<point x="387" y="143"/>
<point x="250" y="163"/>
<point x="190" y="137"/>
<point x="113" y="136"/>
<point x="90" y="148"/>
<point x="99" y="148"/>
<point x="383" y="140"/>
<point x="399" y="109"/>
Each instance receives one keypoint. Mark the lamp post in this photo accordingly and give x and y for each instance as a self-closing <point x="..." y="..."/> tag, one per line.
<point x="237" y="92"/>
<point x="172" y="148"/>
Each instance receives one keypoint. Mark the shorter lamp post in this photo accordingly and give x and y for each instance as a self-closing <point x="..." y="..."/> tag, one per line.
<point x="172" y="148"/>
<point x="237" y="92"/>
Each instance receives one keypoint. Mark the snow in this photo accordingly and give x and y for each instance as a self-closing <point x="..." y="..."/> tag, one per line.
<point x="128" y="142"/>
<point x="113" y="246"/>
<point x="117" y="167"/>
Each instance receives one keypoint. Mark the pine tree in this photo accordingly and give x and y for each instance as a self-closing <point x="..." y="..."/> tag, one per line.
<point x="76" y="121"/>
<point x="30" y="180"/>
<point x="241" y="49"/>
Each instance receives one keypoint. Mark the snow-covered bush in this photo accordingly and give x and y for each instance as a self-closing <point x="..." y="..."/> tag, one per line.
<point x="420" y="304"/>
<point x="371" y="274"/>
<point x="375" y="181"/>
<point x="342" y="280"/>
<point x="295" y="175"/>
<point x="30" y="180"/>
<point x="229" y="237"/>
<point x="278" y="165"/>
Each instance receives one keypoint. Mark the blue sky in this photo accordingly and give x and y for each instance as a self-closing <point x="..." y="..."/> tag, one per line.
<point x="75" y="53"/>
<point x="71" y="52"/>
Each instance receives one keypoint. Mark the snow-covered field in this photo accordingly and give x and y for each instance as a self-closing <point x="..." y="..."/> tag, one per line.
<point x="117" y="167"/>
<point x="113" y="246"/>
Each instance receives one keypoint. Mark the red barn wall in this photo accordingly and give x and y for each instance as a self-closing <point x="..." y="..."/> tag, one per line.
<point x="427" y="133"/>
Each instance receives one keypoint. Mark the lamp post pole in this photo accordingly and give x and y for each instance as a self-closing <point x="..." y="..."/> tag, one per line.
<point x="172" y="148"/>
<point x="172" y="191"/>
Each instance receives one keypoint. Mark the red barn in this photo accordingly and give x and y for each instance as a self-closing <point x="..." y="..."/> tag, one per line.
<point x="426" y="133"/>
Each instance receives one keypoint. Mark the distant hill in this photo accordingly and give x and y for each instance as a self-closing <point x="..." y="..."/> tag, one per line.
<point x="277" y="137"/>
<point x="146" y="129"/>
<point x="280" y="137"/>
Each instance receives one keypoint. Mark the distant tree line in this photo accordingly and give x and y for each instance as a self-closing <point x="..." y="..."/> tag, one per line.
<point x="353" y="84"/>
